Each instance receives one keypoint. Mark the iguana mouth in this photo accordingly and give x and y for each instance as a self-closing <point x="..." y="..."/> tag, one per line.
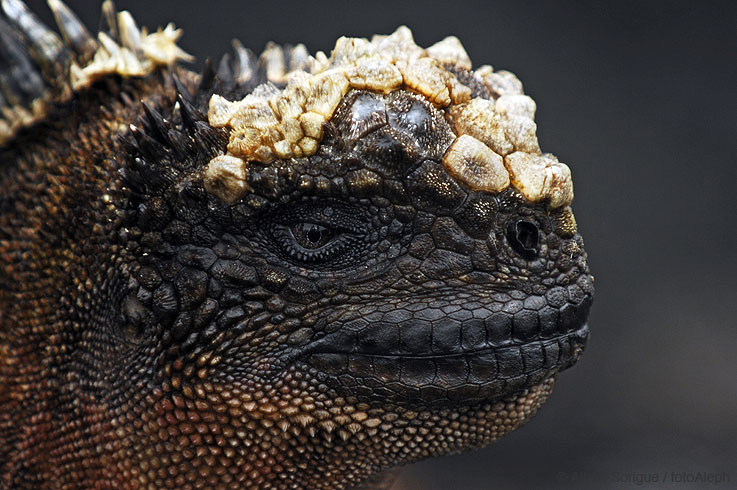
<point x="446" y="360"/>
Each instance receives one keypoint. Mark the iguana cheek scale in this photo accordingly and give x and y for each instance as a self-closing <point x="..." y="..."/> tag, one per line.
<point x="289" y="271"/>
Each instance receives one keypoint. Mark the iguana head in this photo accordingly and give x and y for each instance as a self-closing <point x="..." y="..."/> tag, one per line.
<point x="306" y="269"/>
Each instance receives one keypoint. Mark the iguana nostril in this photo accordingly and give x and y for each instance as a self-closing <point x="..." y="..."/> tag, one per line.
<point x="524" y="237"/>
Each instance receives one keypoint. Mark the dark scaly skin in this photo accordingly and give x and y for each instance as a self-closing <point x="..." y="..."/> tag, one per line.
<point x="152" y="336"/>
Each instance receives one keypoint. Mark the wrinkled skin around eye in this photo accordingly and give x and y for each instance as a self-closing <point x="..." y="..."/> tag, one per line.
<point x="311" y="236"/>
<point x="303" y="239"/>
<point x="329" y="235"/>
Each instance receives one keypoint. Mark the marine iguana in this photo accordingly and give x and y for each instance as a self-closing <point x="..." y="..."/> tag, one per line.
<point x="289" y="271"/>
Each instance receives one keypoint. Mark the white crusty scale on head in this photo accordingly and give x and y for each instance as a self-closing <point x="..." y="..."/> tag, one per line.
<point x="496" y="143"/>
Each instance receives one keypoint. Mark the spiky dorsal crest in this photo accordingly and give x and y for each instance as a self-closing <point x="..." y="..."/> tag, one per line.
<point x="167" y="145"/>
<point x="39" y="67"/>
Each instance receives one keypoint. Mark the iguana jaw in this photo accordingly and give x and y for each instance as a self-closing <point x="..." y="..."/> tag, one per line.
<point x="446" y="362"/>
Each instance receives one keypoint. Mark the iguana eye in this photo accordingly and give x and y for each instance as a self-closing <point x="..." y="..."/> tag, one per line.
<point x="309" y="242"/>
<point x="311" y="236"/>
<point x="524" y="238"/>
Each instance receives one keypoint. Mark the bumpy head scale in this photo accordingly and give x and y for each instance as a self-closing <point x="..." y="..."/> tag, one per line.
<point x="495" y="146"/>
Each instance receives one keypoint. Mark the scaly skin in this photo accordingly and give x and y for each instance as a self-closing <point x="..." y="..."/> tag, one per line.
<point x="356" y="310"/>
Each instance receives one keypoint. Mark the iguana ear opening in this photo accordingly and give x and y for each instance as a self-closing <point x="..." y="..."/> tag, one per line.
<point x="38" y="68"/>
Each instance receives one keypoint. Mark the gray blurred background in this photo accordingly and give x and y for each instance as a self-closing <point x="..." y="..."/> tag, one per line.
<point x="639" y="98"/>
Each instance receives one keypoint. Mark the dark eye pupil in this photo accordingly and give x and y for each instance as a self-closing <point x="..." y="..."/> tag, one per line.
<point x="524" y="237"/>
<point x="314" y="234"/>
